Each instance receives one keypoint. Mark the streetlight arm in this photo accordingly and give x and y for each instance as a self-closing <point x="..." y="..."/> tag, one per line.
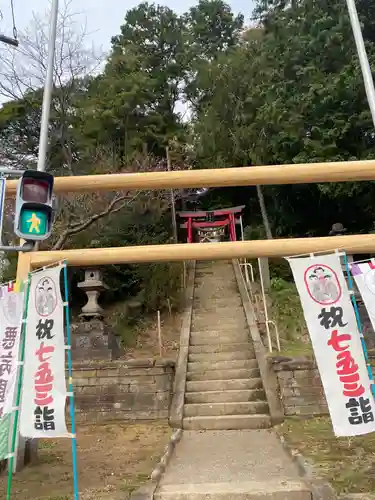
<point x="9" y="41"/>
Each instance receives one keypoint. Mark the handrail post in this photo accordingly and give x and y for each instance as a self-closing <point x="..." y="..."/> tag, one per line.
<point x="267" y="320"/>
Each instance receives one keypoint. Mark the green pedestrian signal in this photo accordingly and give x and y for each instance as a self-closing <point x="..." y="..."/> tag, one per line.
<point x="34" y="212"/>
<point x="33" y="222"/>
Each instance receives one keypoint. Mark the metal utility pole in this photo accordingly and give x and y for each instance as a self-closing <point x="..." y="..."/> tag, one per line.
<point x="173" y="203"/>
<point x="48" y="87"/>
<point x="362" y="55"/>
<point x="43" y="142"/>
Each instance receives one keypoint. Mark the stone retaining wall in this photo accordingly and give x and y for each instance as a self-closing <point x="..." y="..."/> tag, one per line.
<point x="123" y="390"/>
<point x="301" y="389"/>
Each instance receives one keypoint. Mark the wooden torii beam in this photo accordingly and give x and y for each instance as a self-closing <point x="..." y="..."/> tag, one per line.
<point x="359" y="244"/>
<point x="305" y="173"/>
<point x="246" y="176"/>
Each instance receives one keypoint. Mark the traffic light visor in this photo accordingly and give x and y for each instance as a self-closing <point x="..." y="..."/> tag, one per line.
<point x="35" y="191"/>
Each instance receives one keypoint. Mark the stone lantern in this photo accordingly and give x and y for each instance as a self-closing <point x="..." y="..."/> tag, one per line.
<point x="90" y="339"/>
<point x="92" y="286"/>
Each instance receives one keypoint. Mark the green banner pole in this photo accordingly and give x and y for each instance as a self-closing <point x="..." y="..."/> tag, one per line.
<point x="19" y="388"/>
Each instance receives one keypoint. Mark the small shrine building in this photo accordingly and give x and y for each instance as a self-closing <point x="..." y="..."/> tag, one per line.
<point x="205" y="226"/>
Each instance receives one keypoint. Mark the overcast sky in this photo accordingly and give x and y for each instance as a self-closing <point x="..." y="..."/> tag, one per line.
<point x="104" y="17"/>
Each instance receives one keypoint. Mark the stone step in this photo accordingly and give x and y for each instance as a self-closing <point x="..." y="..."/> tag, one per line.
<point x="223" y="280"/>
<point x="225" y="396"/>
<point x="216" y="338"/>
<point x="218" y="274"/>
<point x="217" y="323"/>
<point x="223" y="385"/>
<point x="224" y="374"/>
<point x="214" y="270"/>
<point x="209" y="299"/>
<point x="268" y="489"/>
<point x="229" y="422"/>
<point x="216" y="328"/>
<point x="206" y="307"/>
<point x="218" y="299"/>
<point x="222" y="292"/>
<point x="210" y="283"/>
<point x="221" y="312"/>
<point x="213" y="357"/>
<point x="212" y="291"/>
<point x="206" y="302"/>
<point x="205" y="366"/>
<point x="212" y="264"/>
<point x="220" y="409"/>
<point x="225" y="315"/>
<point x="220" y="348"/>
<point x="210" y="329"/>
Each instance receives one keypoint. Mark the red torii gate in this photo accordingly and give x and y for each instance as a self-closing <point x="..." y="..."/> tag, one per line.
<point x="221" y="218"/>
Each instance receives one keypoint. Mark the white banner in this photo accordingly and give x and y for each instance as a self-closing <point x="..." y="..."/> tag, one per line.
<point x="11" y="309"/>
<point x="44" y="386"/>
<point x="336" y="342"/>
<point x="364" y="276"/>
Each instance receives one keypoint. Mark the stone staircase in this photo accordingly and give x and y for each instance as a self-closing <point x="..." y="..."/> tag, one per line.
<point x="223" y="386"/>
<point x="226" y="452"/>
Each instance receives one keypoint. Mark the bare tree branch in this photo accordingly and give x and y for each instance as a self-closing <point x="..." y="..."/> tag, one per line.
<point x="23" y="72"/>
<point x="81" y="226"/>
<point x="24" y="69"/>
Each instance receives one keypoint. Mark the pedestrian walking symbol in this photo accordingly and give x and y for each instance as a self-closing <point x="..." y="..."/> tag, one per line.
<point x="33" y="222"/>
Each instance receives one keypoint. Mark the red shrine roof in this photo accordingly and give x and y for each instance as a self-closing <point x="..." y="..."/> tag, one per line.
<point x="219" y="212"/>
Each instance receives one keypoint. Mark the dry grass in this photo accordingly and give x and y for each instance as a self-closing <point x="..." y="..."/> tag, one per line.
<point x="286" y="311"/>
<point x="146" y="344"/>
<point x="347" y="463"/>
<point x="140" y="338"/>
<point x="113" y="461"/>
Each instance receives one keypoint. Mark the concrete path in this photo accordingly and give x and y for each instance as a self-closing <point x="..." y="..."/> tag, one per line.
<point x="231" y="465"/>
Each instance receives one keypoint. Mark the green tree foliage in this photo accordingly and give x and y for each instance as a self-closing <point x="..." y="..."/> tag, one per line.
<point x="211" y="30"/>
<point x="141" y="83"/>
<point x="293" y="93"/>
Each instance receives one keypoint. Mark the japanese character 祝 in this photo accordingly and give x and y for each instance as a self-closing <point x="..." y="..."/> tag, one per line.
<point x="331" y="318"/>
<point x="44" y="328"/>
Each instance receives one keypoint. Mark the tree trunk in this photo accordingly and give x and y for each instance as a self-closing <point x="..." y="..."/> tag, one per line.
<point x="173" y="204"/>
<point x="263" y="211"/>
<point x="264" y="267"/>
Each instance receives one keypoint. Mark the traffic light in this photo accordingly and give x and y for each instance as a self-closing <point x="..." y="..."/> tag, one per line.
<point x="34" y="206"/>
